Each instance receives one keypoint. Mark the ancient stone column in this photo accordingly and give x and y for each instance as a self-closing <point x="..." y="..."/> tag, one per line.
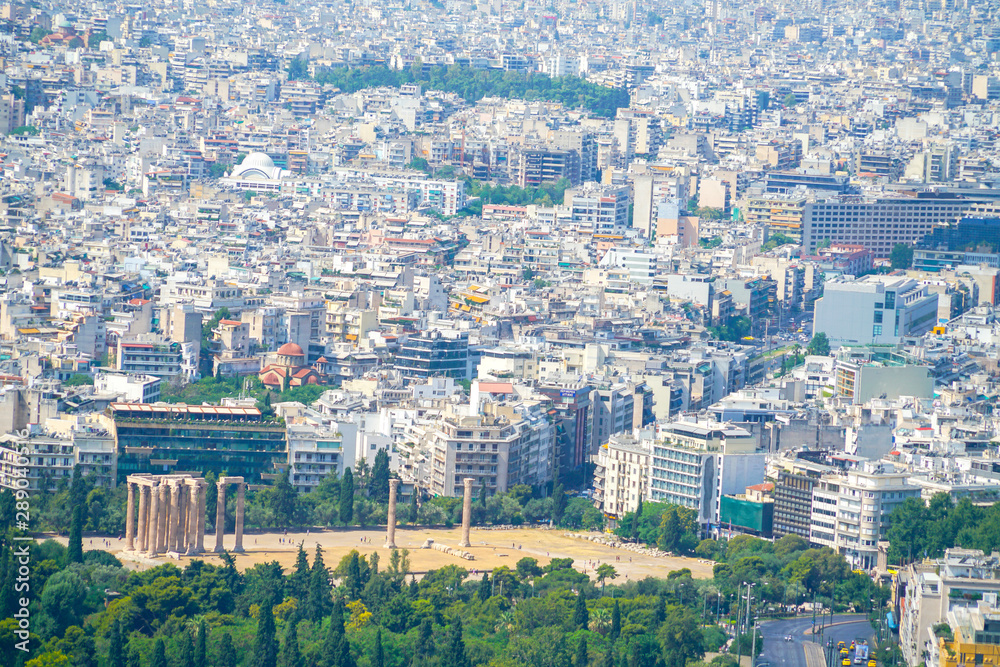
<point x="220" y="516"/>
<point x="143" y="510"/>
<point x="130" y="519"/>
<point x="390" y="527"/>
<point x="466" y="513"/>
<point x="182" y="507"/>
<point x="192" y="517"/>
<point x="162" y="529"/>
<point x="172" y="520"/>
<point x="240" y="493"/>
<point x="201" y="516"/>
<point x="153" y="523"/>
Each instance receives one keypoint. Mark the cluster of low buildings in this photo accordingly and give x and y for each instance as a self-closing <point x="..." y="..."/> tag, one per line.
<point x="608" y="277"/>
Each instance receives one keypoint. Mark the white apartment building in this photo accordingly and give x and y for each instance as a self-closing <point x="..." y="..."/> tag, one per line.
<point x="476" y="446"/>
<point x="850" y="512"/>
<point x="599" y="209"/>
<point x="129" y="387"/>
<point x="932" y="589"/>
<point x="695" y="464"/>
<point x="621" y="474"/>
<point x="41" y="459"/>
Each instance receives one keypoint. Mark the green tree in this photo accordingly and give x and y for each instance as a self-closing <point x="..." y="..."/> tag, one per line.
<point x="299" y="579"/>
<point x="283" y="500"/>
<point x="187" y="649"/>
<point x="95" y="39"/>
<point x="38" y="33"/>
<point x="378" y="660"/>
<point x="901" y="256"/>
<point x="159" y="657"/>
<point x="347" y="497"/>
<point x="790" y="100"/>
<point x="581" y="618"/>
<point x="116" y="646"/>
<point x="580" y="658"/>
<point x="201" y="648"/>
<point x="606" y="571"/>
<point x="76" y="535"/>
<point x="379" y="487"/>
<point x="227" y="656"/>
<point x="616" y="622"/>
<point x="558" y="503"/>
<point x="265" y="652"/>
<point x="319" y="601"/>
<point x="455" y="655"/>
<point x="819" y="345"/>
<point x="291" y="656"/>
<point x="297" y="69"/>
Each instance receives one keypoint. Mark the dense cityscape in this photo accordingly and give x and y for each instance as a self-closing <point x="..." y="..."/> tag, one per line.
<point x="509" y="334"/>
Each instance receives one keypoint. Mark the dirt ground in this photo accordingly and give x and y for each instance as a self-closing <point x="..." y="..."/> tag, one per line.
<point x="491" y="548"/>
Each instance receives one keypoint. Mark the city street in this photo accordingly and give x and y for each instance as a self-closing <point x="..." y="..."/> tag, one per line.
<point x="777" y="651"/>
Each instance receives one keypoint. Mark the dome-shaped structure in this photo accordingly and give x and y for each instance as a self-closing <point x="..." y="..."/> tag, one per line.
<point x="257" y="166"/>
<point x="291" y="350"/>
<point x="259" y="160"/>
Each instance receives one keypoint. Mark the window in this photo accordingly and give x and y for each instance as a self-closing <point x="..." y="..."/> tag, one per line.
<point x="878" y="317"/>
<point x="877" y="330"/>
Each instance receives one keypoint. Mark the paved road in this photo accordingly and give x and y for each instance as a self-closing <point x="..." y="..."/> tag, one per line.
<point x="777" y="651"/>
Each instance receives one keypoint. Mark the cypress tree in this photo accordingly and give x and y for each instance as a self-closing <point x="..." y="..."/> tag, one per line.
<point x="227" y="654"/>
<point x="379" y="487"/>
<point x="581" y="618"/>
<point x="116" y="651"/>
<point x="75" y="553"/>
<point x="291" y="656"/>
<point x="347" y="497"/>
<point x="484" y="587"/>
<point x="159" y="657"/>
<point x="616" y="622"/>
<point x="424" y="646"/>
<point x="344" y="658"/>
<point x="265" y="653"/>
<point x="353" y="579"/>
<point x="455" y="655"/>
<point x="318" y="601"/>
<point x="299" y="578"/>
<point x="580" y="659"/>
<point x="201" y="647"/>
<point x="558" y="503"/>
<point x="378" y="660"/>
<point x="413" y="507"/>
<point x="187" y="650"/>
<point x="609" y="657"/>
<point x="331" y="641"/>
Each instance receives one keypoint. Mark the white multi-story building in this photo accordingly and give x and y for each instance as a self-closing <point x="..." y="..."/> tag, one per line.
<point x="42" y="459"/>
<point x="476" y="446"/>
<point x="932" y="589"/>
<point x="850" y="512"/>
<point x="695" y="464"/>
<point x="874" y="309"/>
<point x="129" y="387"/>
<point x="621" y="474"/>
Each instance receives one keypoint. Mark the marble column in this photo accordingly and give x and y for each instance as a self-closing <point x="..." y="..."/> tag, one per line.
<point x="192" y="524"/>
<point x="182" y="523"/>
<point x="130" y="519"/>
<point x="143" y="509"/>
<point x="153" y="523"/>
<point x="466" y="513"/>
<point x="162" y="529"/>
<point x="201" y="516"/>
<point x="175" y="492"/>
<point x="390" y="526"/>
<point x="220" y="516"/>
<point x="240" y="500"/>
